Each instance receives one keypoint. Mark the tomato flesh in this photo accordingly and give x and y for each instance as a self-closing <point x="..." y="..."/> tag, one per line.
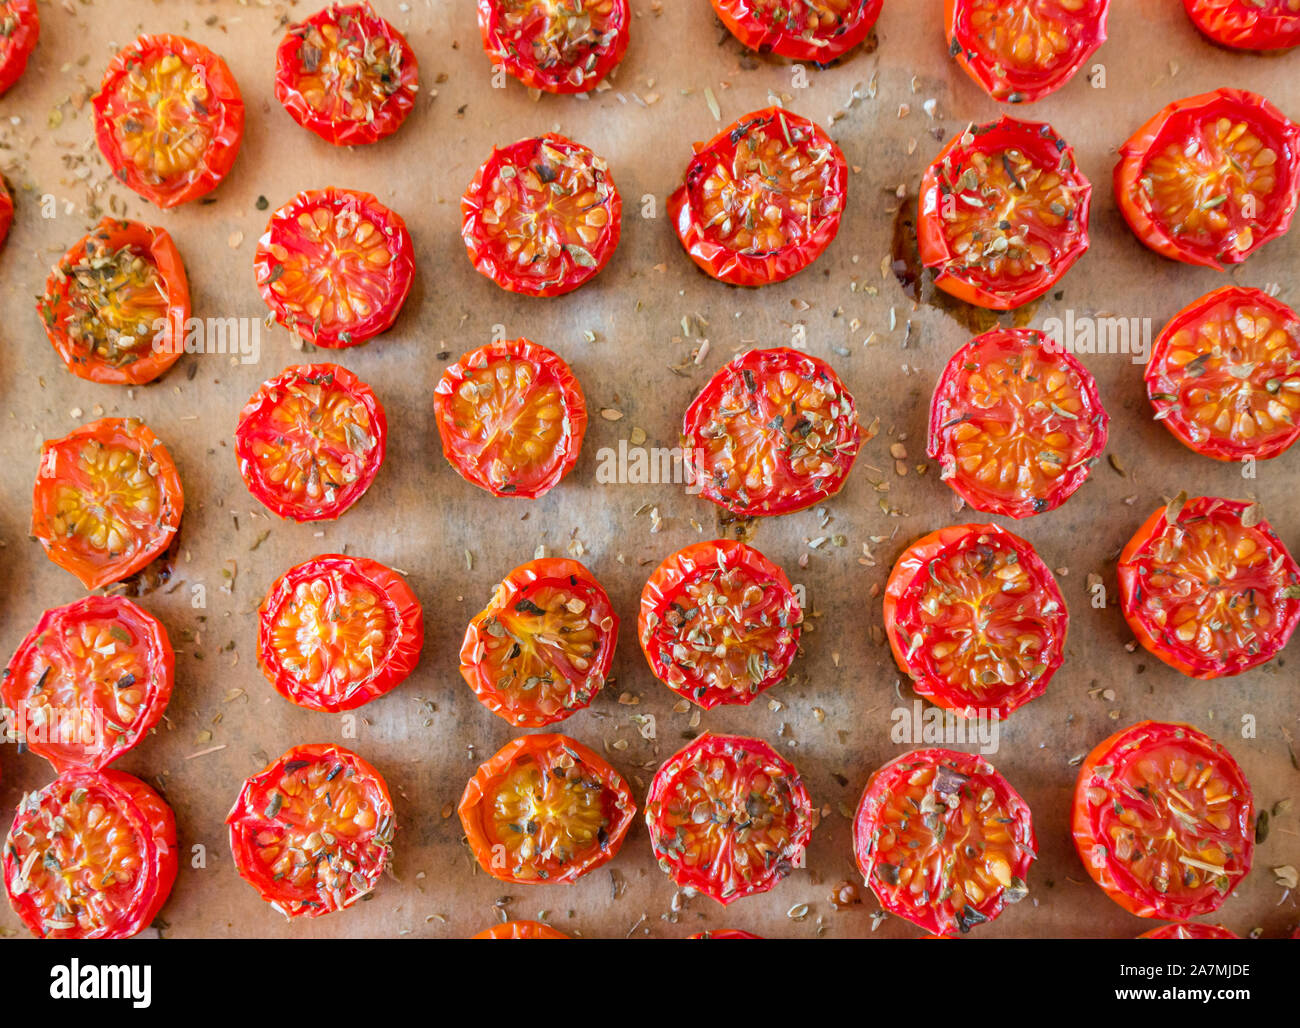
<point x="802" y="30"/>
<point x="560" y="46"/>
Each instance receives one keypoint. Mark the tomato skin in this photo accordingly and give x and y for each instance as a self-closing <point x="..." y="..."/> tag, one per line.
<point x="17" y="45"/>
<point x="1106" y="764"/>
<point x="1244" y="25"/>
<point x="471" y="459"/>
<point x="48" y="644"/>
<point x="365" y="28"/>
<point x="1047" y="151"/>
<point x="521" y="930"/>
<point x="401" y="608"/>
<point x="6" y="211"/>
<point x="148" y="816"/>
<point x="724" y="933"/>
<point x="552" y="754"/>
<point x="224" y="110"/>
<point x="757" y="31"/>
<point x="1169" y="127"/>
<point x="1189" y="930"/>
<point x="167" y="344"/>
<point x="715" y="256"/>
<point x="506" y="49"/>
<point x="1135" y="569"/>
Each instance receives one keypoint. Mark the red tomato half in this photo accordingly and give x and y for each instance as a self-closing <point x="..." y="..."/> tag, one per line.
<point x="761" y="200"/>
<point x="558" y="47"/>
<point x="719" y="623"/>
<point x="1022" y="50"/>
<point x="1248" y="24"/>
<point x="347" y="75"/>
<point x="1016" y="423"/>
<point x="311" y="441"/>
<point x="521" y="930"/>
<point x="20" y="28"/>
<point x="91" y="856"/>
<point x="169" y="119"/>
<point x="728" y="817"/>
<point x="773" y="431"/>
<point x="512" y="418"/>
<point x="312" y="831"/>
<point x="542" y="216"/>
<point x="1003" y="214"/>
<point x="107" y="500"/>
<point x="1209" y="588"/>
<point x="1163" y="820"/>
<point x="944" y="840"/>
<point x="975" y="619"/>
<point x="541" y="649"/>
<point x="1189" y="930"/>
<point x="1224" y="375"/>
<point x="116" y="305"/>
<point x="724" y="933"/>
<point x="803" y="30"/>
<point x="1211" y="178"/>
<point x="335" y="266"/>
<point x="545" y="810"/>
<point x="89" y="682"/>
<point x="336" y="632"/>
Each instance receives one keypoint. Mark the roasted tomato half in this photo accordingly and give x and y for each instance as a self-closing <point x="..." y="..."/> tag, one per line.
<point x="1224" y="375"/>
<point x="719" y="623"/>
<point x="89" y="682"/>
<point x="1189" y="930"/>
<point x="1020" y="51"/>
<point x="1016" y="423"/>
<point x="559" y="46"/>
<point x="312" y="831"/>
<point x="545" y="809"/>
<point x="335" y="266"/>
<point x="1003" y="214"/>
<point x="728" y="817"/>
<point x="311" y="441"/>
<point x="6" y="211"/>
<point x="542" y="216"/>
<point x="1164" y="820"/>
<point x="20" y="28"/>
<point x="542" y="647"/>
<point x="346" y="74"/>
<point x="1248" y="24"/>
<point x="802" y="30"/>
<point x="773" y="431"/>
<point x="975" y="619"/>
<point x="107" y="500"/>
<point x="91" y="856"/>
<point x="944" y="840"/>
<point x="1208" y="587"/>
<point x="116" y="306"/>
<point x="512" y="418"/>
<point x="1211" y="179"/>
<point x="521" y="930"/>
<point x="761" y="200"/>
<point x="336" y="632"/>
<point x="169" y="119"/>
<point x="724" y="933"/>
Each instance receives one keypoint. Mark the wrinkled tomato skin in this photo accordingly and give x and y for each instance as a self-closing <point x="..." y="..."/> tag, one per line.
<point x="1189" y="930"/>
<point x="1169" y="127"/>
<point x="166" y="343"/>
<point x="17" y="46"/>
<point x="504" y="51"/>
<point x="758" y="33"/>
<point x="724" y="933"/>
<point x="521" y="930"/>
<point x="1245" y="25"/>
<point x="224" y="105"/>
<point x="715" y="257"/>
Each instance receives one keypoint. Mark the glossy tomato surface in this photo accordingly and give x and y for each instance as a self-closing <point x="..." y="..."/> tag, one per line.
<point x="169" y="119"/>
<point x="773" y="431"/>
<point x="90" y="856"/>
<point x="558" y="46"/>
<point x="312" y="831"/>
<point x="761" y="200"/>
<point x="1248" y="24"/>
<point x="521" y="930"/>
<point x="944" y="840"/>
<point x="545" y="810"/>
<point x="311" y="441"/>
<point x="807" y="30"/>
<point x="1016" y="423"/>
<point x="512" y="417"/>
<point x="1163" y="820"/>
<point x="20" y="28"/>
<point x="1224" y="375"/>
<point x="107" y="500"/>
<point x="117" y="305"/>
<point x="1211" y="178"/>
<point x="1003" y="213"/>
<point x="347" y="75"/>
<point x="1208" y="587"/>
<point x="724" y="933"/>
<point x="336" y="632"/>
<point x="975" y="619"/>
<point x="1189" y="930"/>
<point x="728" y="817"/>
